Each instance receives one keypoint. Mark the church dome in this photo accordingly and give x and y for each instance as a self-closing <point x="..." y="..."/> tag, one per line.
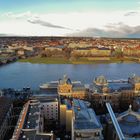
<point x="101" y="80"/>
<point x="130" y="119"/>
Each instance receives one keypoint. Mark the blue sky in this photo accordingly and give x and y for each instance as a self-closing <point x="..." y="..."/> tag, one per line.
<point x="66" y="17"/>
<point x="65" y="5"/>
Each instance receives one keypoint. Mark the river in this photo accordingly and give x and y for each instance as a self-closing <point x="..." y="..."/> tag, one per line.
<point x="18" y="75"/>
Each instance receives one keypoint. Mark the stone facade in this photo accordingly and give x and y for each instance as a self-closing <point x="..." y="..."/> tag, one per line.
<point x="71" y="89"/>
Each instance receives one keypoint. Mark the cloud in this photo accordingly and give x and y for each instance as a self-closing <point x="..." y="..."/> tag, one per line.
<point x="133" y="13"/>
<point x="6" y="35"/>
<point x="90" y="23"/>
<point x="33" y="18"/>
<point x="46" y="24"/>
<point x="3" y="34"/>
<point x="18" y="15"/>
<point x="111" y="30"/>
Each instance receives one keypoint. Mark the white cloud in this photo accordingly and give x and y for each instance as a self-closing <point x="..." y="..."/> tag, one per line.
<point x="46" y="24"/>
<point x="29" y="23"/>
<point x="17" y="15"/>
<point x="112" y="30"/>
<point x="132" y="13"/>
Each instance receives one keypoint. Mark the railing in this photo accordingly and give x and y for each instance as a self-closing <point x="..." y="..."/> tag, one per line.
<point x="115" y="122"/>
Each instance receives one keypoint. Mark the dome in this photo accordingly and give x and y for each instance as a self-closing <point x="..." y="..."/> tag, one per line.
<point x="101" y="80"/>
<point x="134" y="79"/>
<point x="130" y="119"/>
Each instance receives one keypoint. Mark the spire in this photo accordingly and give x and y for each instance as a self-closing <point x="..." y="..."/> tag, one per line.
<point x="65" y="76"/>
<point x="130" y="107"/>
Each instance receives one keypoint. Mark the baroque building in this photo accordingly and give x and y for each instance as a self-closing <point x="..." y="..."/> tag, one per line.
<point x="74" y="89"/>
<point x="135" y="81"/>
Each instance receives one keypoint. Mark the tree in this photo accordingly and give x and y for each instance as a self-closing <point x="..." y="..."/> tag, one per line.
<point x="67" y="52"/>
<point x="118" y="53"/>
<point x="75" y="56"/>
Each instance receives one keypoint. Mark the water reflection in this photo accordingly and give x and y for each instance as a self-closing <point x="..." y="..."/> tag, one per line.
<point x="18" y="75"/>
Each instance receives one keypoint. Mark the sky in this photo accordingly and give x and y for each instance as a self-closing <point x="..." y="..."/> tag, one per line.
<point x="90" y="18"/>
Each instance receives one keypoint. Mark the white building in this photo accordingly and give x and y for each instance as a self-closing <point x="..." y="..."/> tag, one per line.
<point x="50" y="109"/>
<point x="49" y="106"/>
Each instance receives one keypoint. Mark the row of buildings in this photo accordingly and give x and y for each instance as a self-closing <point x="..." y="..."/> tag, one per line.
<point x="83" y="47"/>
<point x="77" y="112"/>
<point x="79" y="120"/>
<point x="101" y="90"/>
<point x="71" y="42"/>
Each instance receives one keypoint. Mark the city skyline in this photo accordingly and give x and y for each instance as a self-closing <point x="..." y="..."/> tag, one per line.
<point x="90" y="18"/>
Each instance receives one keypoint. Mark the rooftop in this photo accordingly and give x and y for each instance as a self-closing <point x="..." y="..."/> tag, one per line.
<point x="65" y="80"/>
<point x="46" y="98"/>
<point x="129" y="122"/>
<point x="78" y="86"/>
<point x="32" y="117"/>
<point x="120" y="86"/>
<point x="5" y="104"/>
<point x="32" y="135"/>
<point x="30" y="127"/>
<point x="85" y="118"/>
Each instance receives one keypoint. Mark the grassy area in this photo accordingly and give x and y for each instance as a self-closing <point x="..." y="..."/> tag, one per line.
<point x="45" y="60"/>
<point x="84" y="60"/>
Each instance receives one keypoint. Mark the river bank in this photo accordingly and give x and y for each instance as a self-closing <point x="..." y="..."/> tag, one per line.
<point x="82" y="60"/>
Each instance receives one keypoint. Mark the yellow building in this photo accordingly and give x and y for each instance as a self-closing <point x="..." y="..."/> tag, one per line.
<point x="63" y="114"/>
<point x="65" y="85"/>
<point x="69" y="115"/>
<point x="65" y="88"/>
<point x="135" y="81"/>
<point x="72" y="89"/>
<point x="66" y="114"/>
<point x="93" y="52"/>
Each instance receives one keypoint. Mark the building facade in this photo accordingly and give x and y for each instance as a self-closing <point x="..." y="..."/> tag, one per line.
<point x="135" y="81"/>
<point x="85" y="123"/>
<point x="30" y="125"/>
<point x="72" y="89"/>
